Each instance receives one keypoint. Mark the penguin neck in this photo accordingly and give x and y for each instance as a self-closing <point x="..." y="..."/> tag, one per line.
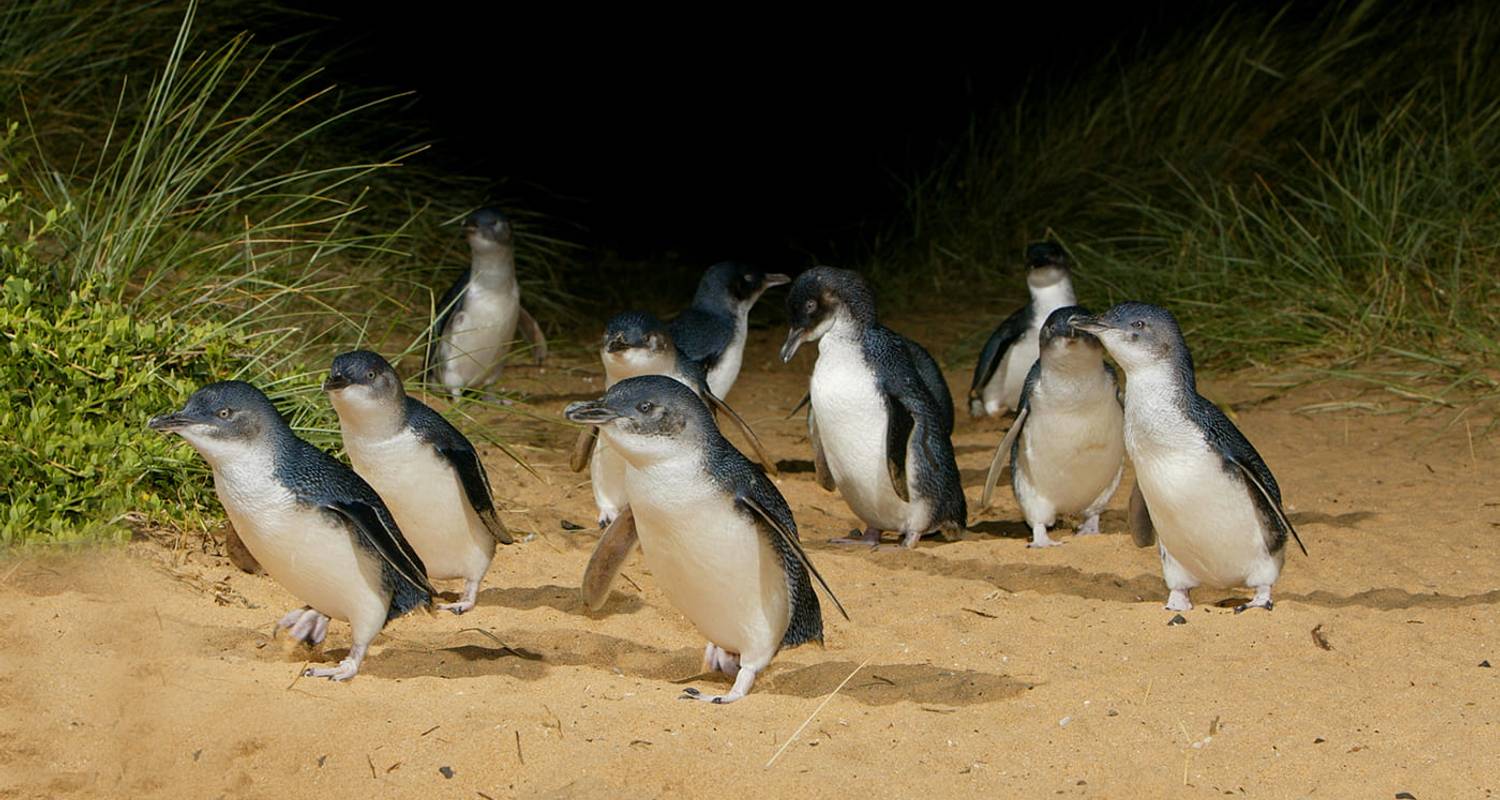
<point x="1074" y="372"/>
<point x="493" y="266"/>
<point x="847" y="328"/>
<point x="1157" y="388"/>
<point x="1047" y="299"/>
<point x="370" y="420"/>
<point x="637" y="361"/>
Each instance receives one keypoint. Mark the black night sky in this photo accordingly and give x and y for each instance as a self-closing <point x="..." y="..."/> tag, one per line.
<point x="770" y="137"/>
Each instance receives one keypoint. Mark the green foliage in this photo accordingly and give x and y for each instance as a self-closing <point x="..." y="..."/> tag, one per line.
<point x="197" y="208"/>
<point x="1323" y="189"/>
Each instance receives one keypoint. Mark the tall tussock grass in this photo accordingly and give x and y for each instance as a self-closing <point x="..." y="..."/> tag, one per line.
<point x="1321" y="189"/>
<point x="179" y="204"/>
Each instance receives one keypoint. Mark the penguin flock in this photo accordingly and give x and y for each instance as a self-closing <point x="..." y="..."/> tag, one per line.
<point x="362" y="544"/>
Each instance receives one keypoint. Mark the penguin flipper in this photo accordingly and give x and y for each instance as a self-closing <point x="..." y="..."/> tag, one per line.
<point x="931" y="376"/>
<point x="449" y="305"/>
<point x="609" y="557"/>
<point x="779" y="522"/>
<point x="1003" y="456"/>
<point x="532" y="333"/>
<point x="899" y="428"/>
<point x="1235" y="449"/>
<point x="476" y="482"/>
<point x="1269" y="504"/>
<point x="716" y="404"/>
<point x="1009" y="332"/>
<point x="1142" y="529"/>
<point x="583" y="449"/>
<point x="374" y="526"/>
<point x="820" y="461"/>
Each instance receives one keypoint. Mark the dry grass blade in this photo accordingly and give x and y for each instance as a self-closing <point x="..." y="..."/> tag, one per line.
<point x="810" y="717"/>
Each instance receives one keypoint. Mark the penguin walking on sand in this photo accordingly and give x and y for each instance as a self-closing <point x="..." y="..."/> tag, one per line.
<point x="637" y="343"/>
<point x="712" y="330"/>
<point x="877" y="430"/>
<point x="717" y="535"/>
<point x="1202" y="492"/>
<point x="1066" y="449"/>
<point x="428" y="474"/>
<point x="313" y="525"/>
<point x="479" y="315"/>
<point x="1011" y="350"/>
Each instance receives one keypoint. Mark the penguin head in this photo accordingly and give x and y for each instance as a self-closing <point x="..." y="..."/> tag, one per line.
<point x="1046" y="264"/>
<point x="819" y="298"/>
<point x="738" y="284"/>
<point x="363" y="381"/>
<point x="636" y="343"/>
<point x="1062" y="342"/>
<point x="223" y="419"/>
<point x="647" y="418"/>
<point x="487" y="229"/>
<point x="1139" y="335"/>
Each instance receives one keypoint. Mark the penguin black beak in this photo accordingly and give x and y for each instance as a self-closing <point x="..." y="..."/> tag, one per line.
<point x="1092" y="325"/>
<point x="793" y="341"/>
<point x="777" y="279"/>
<point x="616" y="345"/>
<point x="335" y="382"/>
<point x="167" y="423"/>
<point x="593" y="412"/>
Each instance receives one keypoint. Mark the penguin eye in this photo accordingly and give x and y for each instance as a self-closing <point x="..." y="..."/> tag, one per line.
<point x="370" y="375"/>
<point x="224" y="413"/>
<point x="748" y="279"/>
<point x="1138" y="325"/>
<point x="810" y="306"/>
<point x="644" y="406"/>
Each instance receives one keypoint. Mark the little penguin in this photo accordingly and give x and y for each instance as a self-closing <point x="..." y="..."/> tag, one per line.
<point x="712" y="330"/>
<point x="1066" y="449"/>
<point x="428" y="474"/>
<point x="1012" y="349"/>
<point x="480" y="313"/>
<point x="716" y="533"/>
<point x="314" y="525"/>
<point x="637" y="343"/>
<point x="875" y="421"/>
<point x="1203" y="492"/>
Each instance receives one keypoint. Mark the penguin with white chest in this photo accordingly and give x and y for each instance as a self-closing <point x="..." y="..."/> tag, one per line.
<point x="874" y="420"/>
<point x="1011" y="350"/>
<point x="1066" y="449"/>
<point x="712" y="330"/>
<point x="637" y="343"/>
<point x="479" y="315"/>
<point x="428" y="473"/>
<point x="1203" y="492"/>
<point x="315" y="526"/>
<point x="717" y="535"/>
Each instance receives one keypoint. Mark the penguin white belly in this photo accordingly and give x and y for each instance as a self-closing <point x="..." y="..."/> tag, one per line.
<point x="479" y="335"/>
<point x="312" y="554"/>
<point x="1004" y="388"/>
<point x="428" y="501"/>
<point x="607" y="476"/>
<point x="722" y="377"/>
<point x="1203" y="515"/>
<point x="1069" y="457"/>
<point x="712" y="562"/>
<point x="851" y="416"/>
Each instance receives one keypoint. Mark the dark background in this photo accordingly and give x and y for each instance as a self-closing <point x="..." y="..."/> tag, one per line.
<point x="769" y="137"/>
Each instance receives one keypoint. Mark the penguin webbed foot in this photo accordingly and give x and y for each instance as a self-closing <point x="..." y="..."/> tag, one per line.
<point x="1090" y="526"/>
<point x="1039" y="537"/>
<point x="466" y="602"/>
<point x="1262" y="600"/>
<point x="1178" y="601"/>
<point x="870" y="538"/>
<point x="305" y="625"/>
<point x="742" y="684"/>
<point x="345" y="670"/>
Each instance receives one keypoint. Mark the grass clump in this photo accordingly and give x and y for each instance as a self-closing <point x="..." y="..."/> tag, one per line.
<point x="1316" y="187"/>
<point x="196" y="210"/>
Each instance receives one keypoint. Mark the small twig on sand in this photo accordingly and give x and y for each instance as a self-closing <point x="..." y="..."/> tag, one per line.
<point x="632" y="583"/>
<point x="806" y="722"/>
<point x="300" y="672"/>
<point x="496" y="639"/>
<point x="519" y="756"/>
